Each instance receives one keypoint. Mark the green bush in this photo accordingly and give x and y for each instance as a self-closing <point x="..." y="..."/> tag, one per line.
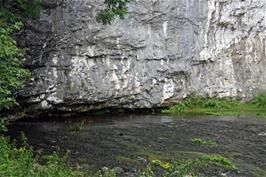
<point x="2" y="126"/>
<point x="115" y="8"/>
<point x="12" y="75"/>
<point x="30" y="8"/>
<point x="198" y="105"/>
<point x="21" y="162"/>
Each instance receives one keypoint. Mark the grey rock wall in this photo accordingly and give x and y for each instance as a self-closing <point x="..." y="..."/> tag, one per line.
<point x="161" y="52"/>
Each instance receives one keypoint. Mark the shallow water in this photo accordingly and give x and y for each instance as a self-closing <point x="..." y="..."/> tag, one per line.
<point x="127" y="140"/>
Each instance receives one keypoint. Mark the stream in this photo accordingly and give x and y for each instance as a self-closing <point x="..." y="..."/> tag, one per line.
<point x="126" y="142"/>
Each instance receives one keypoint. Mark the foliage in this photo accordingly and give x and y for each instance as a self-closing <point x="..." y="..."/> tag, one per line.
<point x="219" y="106"/>
<point x="218" y="160"/>
<point x="21" y="162"/>
<point x="115" y="8"/>
<point x="30" y="8"/>
<point x="11" y="74"/>
<point x="188" y="167"/>
<point x="147" y="172"/>
<point x="195" y="101"/>
<point x="203" y="142"/>
<point x="164" y="165"/>
<point x="2" y="126"/>
<point x="260" y="100"/>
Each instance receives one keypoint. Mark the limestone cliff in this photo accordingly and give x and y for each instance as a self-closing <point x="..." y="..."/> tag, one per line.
<point x="162" y="51"/>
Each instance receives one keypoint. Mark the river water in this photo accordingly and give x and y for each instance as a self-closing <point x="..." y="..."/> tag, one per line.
<point x="128" y="141"/>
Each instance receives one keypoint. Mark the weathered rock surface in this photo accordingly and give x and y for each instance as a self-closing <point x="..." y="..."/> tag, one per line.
<point x="162" y="51"/>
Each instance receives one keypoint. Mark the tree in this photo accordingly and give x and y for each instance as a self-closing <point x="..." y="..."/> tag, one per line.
<point x="115" y="8"/>
<point x="12" y="75"/>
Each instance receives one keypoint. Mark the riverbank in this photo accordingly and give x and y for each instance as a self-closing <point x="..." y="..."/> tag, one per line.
<point x="197" y="105"/>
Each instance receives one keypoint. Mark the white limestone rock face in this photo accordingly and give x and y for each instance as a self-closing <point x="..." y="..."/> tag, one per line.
<point x="161" y="52"/>
<point x="233" y="48"/>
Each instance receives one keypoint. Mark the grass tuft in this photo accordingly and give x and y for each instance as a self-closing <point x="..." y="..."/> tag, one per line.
<point x="188" y="167"/>
<point x="76" y="126"/>
<point x="260" y="100"/>
<point x="200" y="141"/>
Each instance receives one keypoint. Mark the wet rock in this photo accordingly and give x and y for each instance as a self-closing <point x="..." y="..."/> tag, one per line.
<point x="118" y="170"/>
<point x="130" y="174"/>
<point x="85" y="167"/>
<point x="143" y="161"/>
<point x="131" y="170"/>
<point x="104" y="169"/>
<point x="262" y="134"/>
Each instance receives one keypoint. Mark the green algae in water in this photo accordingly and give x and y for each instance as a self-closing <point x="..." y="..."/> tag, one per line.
<point x="200" y="141"/>
<point x="76" y="126"/>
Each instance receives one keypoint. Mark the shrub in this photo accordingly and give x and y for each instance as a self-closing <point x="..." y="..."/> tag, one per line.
<point x="21" y="162"/>
<point x="199" y="102"/>
<point x="2" y="126"/>
<point x="12" y="75"/>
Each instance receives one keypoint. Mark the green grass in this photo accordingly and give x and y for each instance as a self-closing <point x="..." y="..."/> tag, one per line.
<point x="22" y="162"/>
<point x="181" y="163"/>
<point x="260" y="101"/>
<point x="197" y="105"/>
<point x="258" y="172"/>
<point x="200" y="141"/>
<point x="188" y="167"/>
